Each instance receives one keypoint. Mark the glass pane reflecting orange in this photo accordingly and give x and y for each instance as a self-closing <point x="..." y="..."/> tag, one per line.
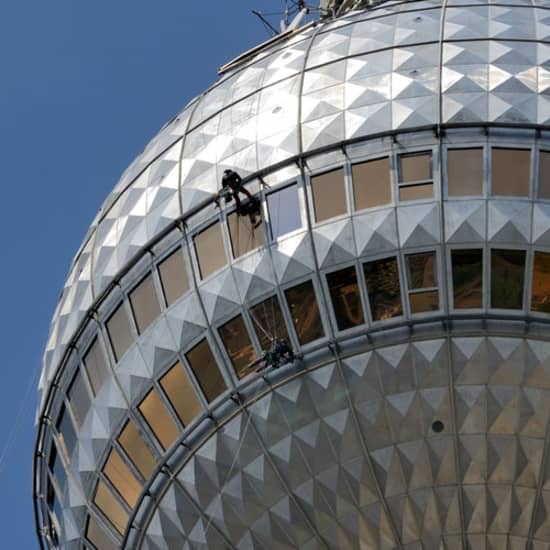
<point x="111" y="507"/>
<point x="414" y="192"/>
<point x="97" y="536"/>
<point x="467" y="278"/>
<point x="464" y="172"/>
<point x="510" y="169"/>
<point x="269" y="323"/>
<point x="96" y="366"/>
<point x="173" y="277"/>
<point x="422" y="270"/>
<point x="134" y="446"/>
<point x="540" y="292"/>
<point x="206" y="370"/>
<point x="238" y="345"/>
<point x="244" y="236"/>
<point x="120" y="335"/>
<point x="382" y="277"/>
<point x="424" y="301"/>
<point x="329" y="195"/>
<point x="122" y="478"/>
<point x="304" y="311"/>
<point x="415" y="167"/>
<point x="181" y="394"/>
<point x="507" y="275"/>
<point x="210" y="250"/>
<point x="144" y="302"/>
<point x="371" y="183"/>
<point x="346" y="300"/>
<point x="157" y="416"/>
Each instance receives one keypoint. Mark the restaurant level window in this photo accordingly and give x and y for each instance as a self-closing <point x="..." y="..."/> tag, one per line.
<point x="65" y="428"/>
<point x="284" y="211"/>
<point x="144" y="302"/>
<point x="540" y="288"/>
<point x="510" y="169"/>
<point x="304" y="311"/>
<point x="464" y="172"/>
<point x="544" y="175"/>
<point x="122" y="478"/>
<point x="245" y="236"/>
<point x="329" y="195"/>
<point x="111" y="507"/>
<point x="135" y="447"/>
<point x="97" y="536"/>
<point x="206" y="370"/>
<point x="210" y="250"/>
<point x="507" y="277"/>
<point x="415" y="176"/>
<point x="371" y="183"/>
<point x="56" y="467"/>
<point x="237" y="343"/>
<point x="95" y="366"/>
<point x="345" y="297"/>
<point x="78" y="398"/>
<point x="173" y="277"/>
<point x="422" y="282"/>
<point x="467" y="265"/>
<point x="383" y="288"/>
<point x="118" y="329"/>
<point x="269" y="323"/>
<point x="158" y="418"/>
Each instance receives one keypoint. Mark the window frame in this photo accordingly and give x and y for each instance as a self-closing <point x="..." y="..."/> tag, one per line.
<point x="393" y="184"/>
<point x="530" y="178"/>
<point x="438" y="270"/>
<point x="302" y="206"/>
<point x="433" y="158"/>
<point x="122" y="304"/>
<point x="485" y="184"/>
<point x="217" y="220"/>
<point x="530" y="272"/>
<point x="344" y="168"/>
<point x="150" y="273"/>
<point x="485" y="269"/>
<point x="183" y="251"/>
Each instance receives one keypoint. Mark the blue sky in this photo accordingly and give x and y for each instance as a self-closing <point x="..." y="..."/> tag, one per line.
<point x="83" y="87"/>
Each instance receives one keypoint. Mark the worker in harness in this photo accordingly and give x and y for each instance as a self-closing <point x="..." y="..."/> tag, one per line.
<point x="232" y="185"/>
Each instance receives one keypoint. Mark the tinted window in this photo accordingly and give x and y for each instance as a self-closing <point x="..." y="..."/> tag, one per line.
<point x="464" y="172"/>
<point x="122" y="478"/>
<point x="66" y="431"/>
<point x="79" y="398"/>
<point x="144" y="303"/>
<point x="371" y="183"/>
<point x="96" y="366"/>
<point x="244" y="235"/>
<point x="346" y="300"/>
<point x="507" y="275"/>
<point x="157" y="416"/>
<point x="269" y="323"/>
<point x="414" y="169"/>
<point x="540" y="293"/>
<point x="284" y="211"/>
<point x="238" y="345"/>
<point x="422" y="282"/>
<point x="98" y="537"/>
<point x="180" y="392"/>
<point x="120" y="335"/>
<point x="134" y="446"/>
<point x="56" y="467"/>
<point x="544" y="175"/>
<point x="305" y="312"/>
<point x="206" y="370"/>
<point x="467" y="278"/>
<point x="329" y="195"/>
<point x="210" y="250"/>
<point x="173" y="277"/>
<point x="510" y="172"/>
<point x="111" y="507"/>
<point x="382" y="277"/>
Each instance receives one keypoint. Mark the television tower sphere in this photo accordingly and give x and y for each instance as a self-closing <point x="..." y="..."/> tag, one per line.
<point x="315" y="311"/>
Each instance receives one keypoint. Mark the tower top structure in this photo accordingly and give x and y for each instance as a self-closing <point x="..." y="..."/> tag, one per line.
<point x="335" y="8"/>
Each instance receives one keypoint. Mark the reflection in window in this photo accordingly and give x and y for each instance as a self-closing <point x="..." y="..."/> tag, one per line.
<point x="122" y="478"/>
<point x="66" y="431"/>
<point x="96" y="366"/>
<point x="210" y="250"/>
<point x="97" y="536"/>
<point x="79" y="399"/>
<point x="238" y="345"/>
<point x="120" y="335"/>
<point x="244" y="236"/>
<point x="467" y="278"/>
<point x="284" y="211"/>
<point x="544" y="175"/>
<point x="158" y="418"/>
<point x="173" y="277"/>
<point x="56" y="467"/>
<point x="269" y="323"/>
<point x="136" y="449"/>
<point x="346" y="300"/>
<point x="507" y="275"/>
<point x="305" y="312"/>
<point x="111" y="507"/>
<point x="415" y="176"/>
<point x="540" y="292"/>
<point x="329" y="195"/>
<point x="371" y="183"/>
<point x="510" y="172"/>
<point x="206" y="370"/>
<point x="180" y="392"/>
<point x="464" y="172"/>
<point x="145" y="305"/>
<point x="384" y="291"/>
<point x="422" y="282"/>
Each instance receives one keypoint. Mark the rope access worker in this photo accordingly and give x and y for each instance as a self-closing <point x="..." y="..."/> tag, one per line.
<point x="232" y="185"/>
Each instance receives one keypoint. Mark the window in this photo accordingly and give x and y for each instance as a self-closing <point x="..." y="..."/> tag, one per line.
<point x="464" y="172"/>
<point x="180" y="392"/>
<point x="122" y="478"/>
<point x="383" y="288"/>
<point x="540" y="292"/>
<point x="111" y="507"/>
<point x="544" y="175"/>
<point x="206" y="370"/>
<point x="120" y="335"/>
<point x="134" y="446"/>
<point x="284" y="211"/>
<point x="510" y="172"/>
<point x="56" y="467"/>
<point x="95" y="366"/>
<point x="507" y="275"/>
<point x="371" y="183"/>
<point x="97" y="536"/>
<point x="329" y="195"/>
<point x="66" y="431"/>
<point x="467" y="278"/>
<point x="305" y="312"/>
<point x="238" y="345"/>
<point x="210" y="250"/>
<point x="346" y="300"/>
<point x="158" y="418"/>
<point x="269" y="322"/>
<point x="173" y="277"/>
<point x="144" y="302"/>
<point x="244" y="236"/>
<point x="422" y="279"/>
<point x="78" y="398"/>
<point x="415" y="176"/>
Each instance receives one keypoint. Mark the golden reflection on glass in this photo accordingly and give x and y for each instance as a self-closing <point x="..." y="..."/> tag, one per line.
<point x="97" y="536"/>
<point x="180" y="392"/>
<point x="467" y="267"/>
<point x="507" y="276"/>
<point x="269" y="323"/>
<point x="122" y="478"/>
<point x="305" y="312"/>
<point x="424" y="301"/>
<point x="157" y="416"/>
<point x="134" y="446"/>
<point x="540" y="291"/>
<point x="421" y="270"/>
<point x="244" y="236"/>
<point x="371" y="183"/>
<point x="345" y="297"/>
<point x="144" y="302"/>
<point x="415" y="167"/>
<point x="210" y="250"/>
<point x="464" y="172"/>
<point x="111" y="507"/>
<point x="173" y="277"/>
<point x="96" y="366"/>
<point x="329" y="195"/>
<point x="510" y="169"/>
<point x="382" y="277"/>
<point x="120" y="335"/>
<point x="206" y="370"/>
<point x="238" y="345"/>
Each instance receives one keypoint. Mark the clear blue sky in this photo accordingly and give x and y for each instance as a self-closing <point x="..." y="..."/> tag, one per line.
<point x="83" y="87"/>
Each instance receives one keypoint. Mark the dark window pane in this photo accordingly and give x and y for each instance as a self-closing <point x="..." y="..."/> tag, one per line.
<point x="109" y="505"/>
<point x="345" y="297"/>
<point x="329" y="195"/>
<point x="97" y="536"/>
<point x="422" y="270"/>
<point x="414" y="192"/>
<point x="66" y="431"/>
<point x="134" y="446"/>
<point x="417" y="167"/>
<point x="120" y="335"/>
<point x="510" y="172"/>
<point x="467" y="278"/>
<point x="269" y="322"/>
<point x="540" y="293"/>
<point x="173" y="277"/>
<point x="371" y="183"/>
<point x="244" y="236"/>
<point x="210" y="250"/>
<point x="305" y="312"/>
<point x="79" y="398"/>
<point x="144" y="303"/>
<point x="507" y="273"/>
<point x="383" y="288"/>
<point x="122" y="478"/>
<point x="96" y="366"/>
<point x="544" y="175"/>
<point x="157" y="416"/>
<point x="464" y="172"/>
<point x="180" y="392"/>
<point x="206" y="370"/>
<point x="56" y="467"/>
<point x="238" y="345"/>
<point x="424" y="301"/>
<point x="284" y="211"/>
